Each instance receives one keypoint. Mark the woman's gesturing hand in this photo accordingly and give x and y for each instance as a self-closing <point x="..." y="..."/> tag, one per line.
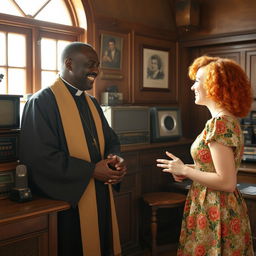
<point x="174" y="166"/>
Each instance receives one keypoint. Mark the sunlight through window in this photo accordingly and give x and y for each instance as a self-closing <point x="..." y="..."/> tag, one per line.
<point x="30" y="48"/>
<point x="13" y="63"/>
<point x="48" y="54"/>
<point x="48" y="78"/>
<point x="32" y="7"/>
<point x="3" y="87"/>
<point x="16" y="81"/>
<point x="51" y="50"/>
<point x="16" y="56"/>
<point x="55" y="11"/>
<point x="2" y="48"/>
<point x="8" y="7"/>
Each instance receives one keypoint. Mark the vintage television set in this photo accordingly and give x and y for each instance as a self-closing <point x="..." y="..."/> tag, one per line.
<point x="9" y="111"/>
<point x="9" y="127"/>
<point x="131" y="123"/>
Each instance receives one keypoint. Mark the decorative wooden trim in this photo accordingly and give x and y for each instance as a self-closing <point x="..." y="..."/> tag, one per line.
<point x="111" y="76"/>
<point x="44" y="25"/>
<point x="217" y="39"/>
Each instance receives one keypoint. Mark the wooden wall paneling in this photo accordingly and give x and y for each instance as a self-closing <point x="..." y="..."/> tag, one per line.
<point x="149" y="12"/>
<point x="142" y="95"/>
<point x="150" y="174"/>
<point x="184" y="89"/>
<point x="219" y="16"/>
<point x="33" y="245"/>
<point x="193" y="116"/>
<point x="127" y="205"/>
<point x="142" y="176"/>
<point x="109" y="76"/>
<point x="223" y="53"/>
<point x="115" y="24"/>
<point x="250" y="56"/>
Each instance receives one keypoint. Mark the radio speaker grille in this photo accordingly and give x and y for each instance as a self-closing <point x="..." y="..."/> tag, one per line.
<point x="165" y="124"/>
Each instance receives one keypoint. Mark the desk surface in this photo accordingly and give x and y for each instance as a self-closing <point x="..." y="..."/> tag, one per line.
<point x="10" y="210"/>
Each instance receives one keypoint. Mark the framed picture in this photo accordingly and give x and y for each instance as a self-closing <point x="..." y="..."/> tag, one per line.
<point x="155" y="69"/>
<point x="111" y="52"/>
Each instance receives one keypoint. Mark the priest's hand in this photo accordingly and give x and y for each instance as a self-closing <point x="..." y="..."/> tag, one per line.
<point x="104" y="170"/>
<point x="116" y="163"/>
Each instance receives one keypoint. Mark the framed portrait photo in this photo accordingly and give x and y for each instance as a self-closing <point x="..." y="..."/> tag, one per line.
<point x="155" y="69"/>
<point x="111" y="52"/>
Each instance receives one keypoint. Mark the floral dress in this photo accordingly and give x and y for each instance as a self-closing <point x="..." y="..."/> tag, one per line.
<point x="215" y="222"/>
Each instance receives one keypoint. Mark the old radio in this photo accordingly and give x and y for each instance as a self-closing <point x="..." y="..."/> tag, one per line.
<point x="131" y="123"/>
<point x="7" y="178"/>
<point x="9" y="145"/>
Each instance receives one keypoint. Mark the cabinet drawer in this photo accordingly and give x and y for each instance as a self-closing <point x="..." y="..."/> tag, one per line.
<point x="22" y="227"/>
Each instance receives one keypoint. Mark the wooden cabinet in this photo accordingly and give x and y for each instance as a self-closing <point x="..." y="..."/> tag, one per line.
<point x="244" y="54"/>
<point x="30" y="228"/>
<point x="143" y="176"/>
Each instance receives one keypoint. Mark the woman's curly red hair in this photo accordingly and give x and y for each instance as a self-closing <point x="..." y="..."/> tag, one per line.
<point x="226" y="83"/>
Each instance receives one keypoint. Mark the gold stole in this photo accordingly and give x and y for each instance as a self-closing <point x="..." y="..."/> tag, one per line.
<point x="77" y="146"/>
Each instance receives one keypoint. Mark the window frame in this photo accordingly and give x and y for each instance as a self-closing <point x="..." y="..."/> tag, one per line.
<point x="28" y="34"/>
<point x="35" y="30"/>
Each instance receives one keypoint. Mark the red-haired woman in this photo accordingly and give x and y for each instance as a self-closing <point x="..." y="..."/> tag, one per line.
<point x="215" y="220"/>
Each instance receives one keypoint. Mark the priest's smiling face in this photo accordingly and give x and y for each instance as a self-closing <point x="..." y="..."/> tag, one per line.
<point x="83" y="68"/>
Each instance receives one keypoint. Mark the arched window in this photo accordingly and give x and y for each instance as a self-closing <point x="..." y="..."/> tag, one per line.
<point x="32" y="35"/>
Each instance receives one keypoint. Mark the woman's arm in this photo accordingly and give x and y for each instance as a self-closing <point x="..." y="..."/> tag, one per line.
<point x="223" y="158"/>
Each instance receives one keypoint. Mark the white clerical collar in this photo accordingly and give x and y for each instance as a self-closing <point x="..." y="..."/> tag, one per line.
<point x="78" y="93"/>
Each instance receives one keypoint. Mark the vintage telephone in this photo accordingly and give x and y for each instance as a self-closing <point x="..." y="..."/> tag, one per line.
<point x="21" y="192"/>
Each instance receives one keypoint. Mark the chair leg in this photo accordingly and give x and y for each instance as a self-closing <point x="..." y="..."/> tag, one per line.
<point x="154" y="231"/>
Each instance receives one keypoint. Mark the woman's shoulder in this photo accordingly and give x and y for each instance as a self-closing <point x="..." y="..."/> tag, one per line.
<point x="223" y="119"/>
<point x="223" y="128"/>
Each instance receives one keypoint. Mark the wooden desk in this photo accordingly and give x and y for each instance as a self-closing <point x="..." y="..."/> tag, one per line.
<point x="29" y="228"/>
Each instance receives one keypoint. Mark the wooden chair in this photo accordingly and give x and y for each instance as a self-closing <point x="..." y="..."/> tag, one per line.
<point x="156" y="201"/>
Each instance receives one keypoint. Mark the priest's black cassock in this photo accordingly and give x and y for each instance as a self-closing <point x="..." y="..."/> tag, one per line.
<point x="55" y="174"/>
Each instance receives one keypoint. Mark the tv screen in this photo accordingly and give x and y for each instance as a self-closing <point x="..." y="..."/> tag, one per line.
<point x="9" y="111"/>
<point x="131" y="120"/>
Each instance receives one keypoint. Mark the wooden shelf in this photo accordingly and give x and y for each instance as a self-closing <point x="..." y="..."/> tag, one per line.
<point x="8" y="166"/>
<point x="166" y="144"/>
<point x="248" y="167"/>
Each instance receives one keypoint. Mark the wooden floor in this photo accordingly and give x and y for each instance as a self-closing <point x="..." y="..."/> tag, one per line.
<point x="167" y="253"/>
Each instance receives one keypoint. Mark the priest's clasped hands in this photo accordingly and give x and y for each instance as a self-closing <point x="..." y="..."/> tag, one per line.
<point x="110" y="170"/>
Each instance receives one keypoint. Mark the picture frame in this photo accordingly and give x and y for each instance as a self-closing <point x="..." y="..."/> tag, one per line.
<point x="155" y="68"/>
<point x="143" y="93"/>
<point x="111" y="51"/>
